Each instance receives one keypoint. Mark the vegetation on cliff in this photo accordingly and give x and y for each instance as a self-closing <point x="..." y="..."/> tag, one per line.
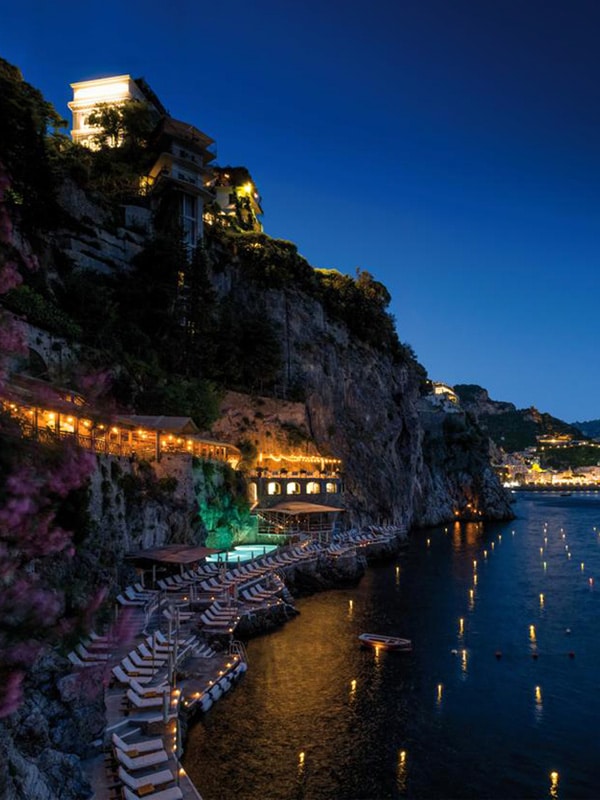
<point x="511" y="428"/>
<point x="171" y="341"/>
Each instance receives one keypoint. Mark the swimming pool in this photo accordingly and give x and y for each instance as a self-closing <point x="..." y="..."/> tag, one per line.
<point x="242" y="552"/>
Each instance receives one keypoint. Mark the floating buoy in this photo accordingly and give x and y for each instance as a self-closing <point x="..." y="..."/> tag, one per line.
<point x="535" y="656"/>
<point x="571" y="654"/>
<point x="454" y="652"/>
<point x="567" y="630"/>
<point x="498" y="654"/>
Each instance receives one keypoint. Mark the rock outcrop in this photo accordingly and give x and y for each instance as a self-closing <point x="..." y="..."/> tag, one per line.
<point x="43" y="743"/>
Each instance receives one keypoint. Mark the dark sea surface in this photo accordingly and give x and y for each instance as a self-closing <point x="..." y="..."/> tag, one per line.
<point x="451" y="719"/>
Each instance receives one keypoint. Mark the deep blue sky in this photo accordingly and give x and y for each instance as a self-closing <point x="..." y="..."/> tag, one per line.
<point x="450" y="147"/>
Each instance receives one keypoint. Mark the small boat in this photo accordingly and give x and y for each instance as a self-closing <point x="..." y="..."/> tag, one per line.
<point x="377" y="640"/>
<point x="565" y="494"/>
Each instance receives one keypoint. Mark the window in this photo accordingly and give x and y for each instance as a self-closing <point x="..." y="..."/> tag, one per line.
<point x="331" y="488"/>
<point x="313" y="487"/>
<point x="293" y="487"/>
<point x="189" y="219"/>
<point x="273" y="487"/>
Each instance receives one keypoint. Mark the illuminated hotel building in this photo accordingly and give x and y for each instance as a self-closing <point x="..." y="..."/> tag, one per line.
<point x="181" y="176"/>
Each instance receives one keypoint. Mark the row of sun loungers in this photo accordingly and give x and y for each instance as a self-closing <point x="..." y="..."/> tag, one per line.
<point x="136" y="595"/>
<point x="256" y="594"/>
<point x="143" y="769"/>
<point x="139" y="668"/>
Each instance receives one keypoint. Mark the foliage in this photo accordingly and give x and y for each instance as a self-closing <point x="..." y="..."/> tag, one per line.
<point x="296" y="435"/>
<point x="28" y="126"/>
<point x="37" y="507"/>
<point x="123" y="154"/>
<point x="143" y="484"/>
<point x="41" y="311"/>
<point x="517" y="430"/>
<point x="127" y="127"/>
<point x="271" y="263"/>
<point x="360" y="303"/>
<point x="248" y="449"/>
<point x="223" y="507"/>
<point x="569" y="457"/>
<point x="247" y="348"/>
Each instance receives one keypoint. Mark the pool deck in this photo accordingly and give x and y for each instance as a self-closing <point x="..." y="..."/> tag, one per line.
<point x="209" y="668"/>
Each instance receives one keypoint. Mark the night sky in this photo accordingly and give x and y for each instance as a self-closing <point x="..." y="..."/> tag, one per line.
<point x="450" y="147"/>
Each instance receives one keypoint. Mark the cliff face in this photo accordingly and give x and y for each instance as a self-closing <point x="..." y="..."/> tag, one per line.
<point x="42" y="744"/>
<point x="360" y="403"/>
<point x="363" y="407"/>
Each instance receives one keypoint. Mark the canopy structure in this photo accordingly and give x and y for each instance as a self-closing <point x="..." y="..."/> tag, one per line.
<point x="174" y="554"/>
<point x="174" y="425"/>
<point x="295" y="516"/>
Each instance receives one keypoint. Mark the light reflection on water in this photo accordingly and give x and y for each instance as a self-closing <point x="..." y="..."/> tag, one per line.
<point x="470" y="725"/>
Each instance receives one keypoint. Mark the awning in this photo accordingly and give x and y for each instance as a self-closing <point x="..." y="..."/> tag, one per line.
<point x="299" y="507"/>
<point x="175" y="554"/>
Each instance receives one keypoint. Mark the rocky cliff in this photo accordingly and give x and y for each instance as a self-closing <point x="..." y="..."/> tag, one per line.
<point x="511" y="428"/>
<point x="359" y="400"/>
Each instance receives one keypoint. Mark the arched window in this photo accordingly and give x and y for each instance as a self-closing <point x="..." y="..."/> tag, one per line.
<point x="273" y="487"/>
<point x="312" y="487"/>
<point x="293" y="487"/>
<point x="331" y="488"/>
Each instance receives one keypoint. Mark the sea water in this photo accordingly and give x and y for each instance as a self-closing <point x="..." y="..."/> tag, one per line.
<point x="499" y="698"/>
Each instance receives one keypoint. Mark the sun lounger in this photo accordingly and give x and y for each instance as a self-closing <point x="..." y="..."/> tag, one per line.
<point x="125" y="601"/>
<point x="123" y="677"/>
<point x="145" y="653"/>
<point x="155" y="644"/>
<point x="77" y="662"/>
<point x="143" y="761"/>
<point x="144" y="663"/>
<point x="85" y="655"/>
<point x="135" y="748"/>
<point x="131" y="594"/>
<point x="135" y="670"/>
<point x="143" y="702"/>
<point x="167" y="586"/>
<point x="97" y="638"/>
<point x="211" y="623"/>
<point x="154" y="690"/>
<point x="248" y="597"/>
<point x="172" y="793"/>
<point x="145" y="786"/>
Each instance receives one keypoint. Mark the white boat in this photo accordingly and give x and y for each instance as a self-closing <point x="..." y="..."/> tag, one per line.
<point x="378" y="640"/>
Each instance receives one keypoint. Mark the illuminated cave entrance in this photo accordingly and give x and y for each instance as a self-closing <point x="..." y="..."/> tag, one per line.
<point x="293" y="518"/>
